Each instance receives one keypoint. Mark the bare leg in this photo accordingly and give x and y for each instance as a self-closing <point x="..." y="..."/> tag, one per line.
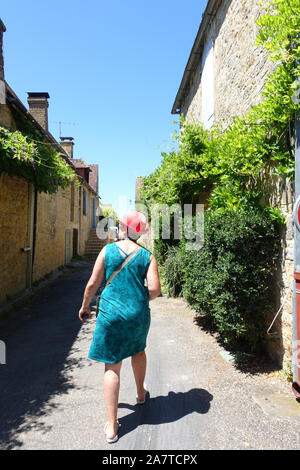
<point x="111" y="387"/>
<point x="139" y="363"/>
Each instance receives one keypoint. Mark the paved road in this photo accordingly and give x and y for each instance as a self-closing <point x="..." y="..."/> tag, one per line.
<point x="51" y="394"/>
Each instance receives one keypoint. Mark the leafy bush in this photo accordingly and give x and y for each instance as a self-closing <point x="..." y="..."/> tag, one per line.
<point x="25" y="153"/>
<point x="162" y="246"/>
<point x="231" y="278"/>
<point x="173" y="271"/>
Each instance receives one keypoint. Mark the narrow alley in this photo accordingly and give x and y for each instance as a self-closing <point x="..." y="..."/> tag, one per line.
<point x="51" y="394"/>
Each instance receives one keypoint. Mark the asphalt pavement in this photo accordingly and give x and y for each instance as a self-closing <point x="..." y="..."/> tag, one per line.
<point x="51" y="393"/>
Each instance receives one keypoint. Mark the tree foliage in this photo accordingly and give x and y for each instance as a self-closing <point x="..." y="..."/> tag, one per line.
<point x="229" y="164"/>
<point x="26" y="153"/>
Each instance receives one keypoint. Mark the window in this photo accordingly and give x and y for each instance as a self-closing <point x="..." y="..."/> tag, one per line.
<point x="84" y="202"/>
<point x="208" y="84"/>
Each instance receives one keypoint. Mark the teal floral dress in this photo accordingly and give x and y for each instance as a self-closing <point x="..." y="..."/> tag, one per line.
<point x="124" y="315"/>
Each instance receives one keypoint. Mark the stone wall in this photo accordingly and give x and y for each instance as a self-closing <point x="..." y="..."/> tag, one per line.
<point x="56" y="218"/>
<point x="240" y="72"/>
<point x="86" y="220"/>
<point x="53" y="218"/>
<point x="58" y="223"/>
<point x="240" y="67"/>
<point x="279" y="339"/>
<point x="13" y="235"/>
<point x="55" y="229"/>
<point x="2" y="84"/>
<point x="285" y="324"/>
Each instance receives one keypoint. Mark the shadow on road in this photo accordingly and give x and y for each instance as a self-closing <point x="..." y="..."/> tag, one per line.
<point x="165" y="409"/>
<point x="39" y="339"/>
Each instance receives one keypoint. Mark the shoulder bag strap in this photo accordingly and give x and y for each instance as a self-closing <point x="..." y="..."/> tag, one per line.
<point x="126" y="260"/>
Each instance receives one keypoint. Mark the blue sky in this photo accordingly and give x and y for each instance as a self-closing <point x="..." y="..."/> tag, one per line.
<point x="112" y="70"/>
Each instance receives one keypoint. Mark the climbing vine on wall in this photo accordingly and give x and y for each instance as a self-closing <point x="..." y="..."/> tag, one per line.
<point x="232" y="165"/>
<point x="24" y="153"/>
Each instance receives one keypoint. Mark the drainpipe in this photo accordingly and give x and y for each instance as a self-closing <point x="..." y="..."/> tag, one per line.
<point x="30" y="249"/>
<point x="34" y="225"/>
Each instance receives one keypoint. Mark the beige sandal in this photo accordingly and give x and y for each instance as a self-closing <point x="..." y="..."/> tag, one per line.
<point x="112" y="439"/>
<point x="141" y="402"/>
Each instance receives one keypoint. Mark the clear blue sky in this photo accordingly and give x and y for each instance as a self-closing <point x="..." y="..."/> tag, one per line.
<point x="112" y="70"/>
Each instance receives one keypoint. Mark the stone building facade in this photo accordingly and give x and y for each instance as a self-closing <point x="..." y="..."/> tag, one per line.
<point x="224" y="76"/>
<point x="40" y="232"/>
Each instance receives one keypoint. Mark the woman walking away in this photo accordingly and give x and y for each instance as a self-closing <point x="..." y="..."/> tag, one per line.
<point x="124" y="315"/>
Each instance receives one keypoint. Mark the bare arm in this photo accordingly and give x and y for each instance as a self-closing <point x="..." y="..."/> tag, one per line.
<point x="93" y="285"/>
<point x="153" y="279"/>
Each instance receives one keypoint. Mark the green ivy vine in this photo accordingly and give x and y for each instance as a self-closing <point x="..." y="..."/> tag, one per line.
<point x="24" y="153"/>
<point x="234" y="165"/>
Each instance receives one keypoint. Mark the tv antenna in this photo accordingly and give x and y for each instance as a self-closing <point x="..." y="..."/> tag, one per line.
<point x="63" y="122"/>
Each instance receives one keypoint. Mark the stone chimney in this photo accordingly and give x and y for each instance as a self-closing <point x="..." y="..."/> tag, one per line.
<point x="2" y="83"/>
<point x="67" y="144"/>
<point x="38" y="107"/>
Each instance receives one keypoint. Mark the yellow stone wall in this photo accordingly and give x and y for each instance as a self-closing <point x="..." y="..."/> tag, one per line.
<point x="13" y="235"/>
<point x="53" y="219"/>
<point x="86" y="220"/>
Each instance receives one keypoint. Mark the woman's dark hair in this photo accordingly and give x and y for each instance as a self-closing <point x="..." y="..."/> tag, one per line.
<point x="133" y="236"/>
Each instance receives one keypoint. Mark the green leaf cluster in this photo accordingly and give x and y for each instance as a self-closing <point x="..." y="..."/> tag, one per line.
<point x="229" y="282"/>
<point x="233" y="165"/>
<point x="24" y="153"/>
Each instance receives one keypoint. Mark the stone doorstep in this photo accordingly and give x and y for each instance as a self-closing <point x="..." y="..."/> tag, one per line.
<point x="281" y="406"/>
<point x="94" y="236"/>
<point x="277" y="405"/>
<point x="94" y="246"/>
<point x="88" y="245"/>
<point x="94" y="242"/>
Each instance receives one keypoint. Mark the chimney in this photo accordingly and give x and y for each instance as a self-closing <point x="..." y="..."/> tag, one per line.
<point x="67" y="144"/>
<point x="38" y="107"/>
<point x="2" y="83"/>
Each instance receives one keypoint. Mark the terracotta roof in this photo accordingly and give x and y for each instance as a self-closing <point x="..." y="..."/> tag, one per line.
<point x="93" y="177"/>
<point x="79" y="163"/>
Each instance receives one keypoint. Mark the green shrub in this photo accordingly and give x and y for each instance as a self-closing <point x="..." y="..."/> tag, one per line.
<point x="231" y="279"/>
<point x="173" y="271"/>
<point x="162" y="246"/>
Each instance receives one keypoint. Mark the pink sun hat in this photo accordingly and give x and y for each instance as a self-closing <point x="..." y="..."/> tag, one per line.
<point x="135" y="221"/>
